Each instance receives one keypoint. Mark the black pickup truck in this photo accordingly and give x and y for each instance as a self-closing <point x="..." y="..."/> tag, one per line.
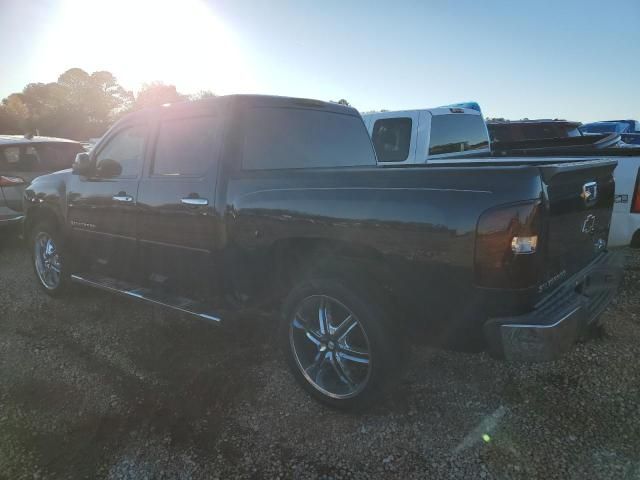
<point x="240" y="202"/>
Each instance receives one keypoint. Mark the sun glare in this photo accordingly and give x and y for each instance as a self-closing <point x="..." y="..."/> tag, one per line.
<point x="177" y="42"/>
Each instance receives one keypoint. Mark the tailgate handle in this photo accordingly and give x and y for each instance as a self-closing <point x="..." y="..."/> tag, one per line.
<point x="195" y="201"/>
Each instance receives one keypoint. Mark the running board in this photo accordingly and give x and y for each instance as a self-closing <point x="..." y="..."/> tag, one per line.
<point x="181" y="304"/>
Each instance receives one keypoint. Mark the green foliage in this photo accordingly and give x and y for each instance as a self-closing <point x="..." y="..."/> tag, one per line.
<point x="157" y="93"/>
<point x="79" y="105"/>
<point x="202" y="94"/>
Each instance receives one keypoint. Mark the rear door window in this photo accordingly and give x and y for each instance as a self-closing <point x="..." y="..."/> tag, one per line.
<point x="277" y="138"/>
<point x="455" y="133"/>
<point x="392" y="138"/>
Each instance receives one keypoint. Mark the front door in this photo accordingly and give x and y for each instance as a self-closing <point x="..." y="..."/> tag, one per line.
<point x="102" y="207"/>
<point x="177" y="222"/>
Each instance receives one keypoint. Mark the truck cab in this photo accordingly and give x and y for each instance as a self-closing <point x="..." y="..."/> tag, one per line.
<point x="456" y="135"/>
<point x="416" y="136"/>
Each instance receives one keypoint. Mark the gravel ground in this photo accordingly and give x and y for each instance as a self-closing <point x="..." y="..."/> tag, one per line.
<point x="100" y="387"/>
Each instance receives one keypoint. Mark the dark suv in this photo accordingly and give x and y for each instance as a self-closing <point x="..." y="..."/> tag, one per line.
<point x="21" y="160"/>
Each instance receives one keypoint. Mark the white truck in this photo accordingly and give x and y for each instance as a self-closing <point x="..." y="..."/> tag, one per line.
<point x="456" y="135"/>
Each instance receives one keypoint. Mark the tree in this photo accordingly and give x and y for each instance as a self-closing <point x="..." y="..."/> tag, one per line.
<point x="202" y="94"/>
<point x="79" y="105"/>
<point x="155" y="94"/>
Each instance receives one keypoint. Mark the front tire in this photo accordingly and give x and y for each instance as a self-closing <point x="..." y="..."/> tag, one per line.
<point x="339" y="343"/>
<point x="47" y="246"/>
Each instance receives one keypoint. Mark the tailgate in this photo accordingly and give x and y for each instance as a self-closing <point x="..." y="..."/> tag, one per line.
<point x="579" y="198"/>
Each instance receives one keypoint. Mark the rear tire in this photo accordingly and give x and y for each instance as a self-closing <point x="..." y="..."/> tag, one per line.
<point x="339" y="343"/>
<point x="47" y="256"/>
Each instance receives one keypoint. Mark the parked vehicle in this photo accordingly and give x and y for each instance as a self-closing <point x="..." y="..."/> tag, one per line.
<point x="21" y="160"/>
<point x="239" y="202"/>
<point x="524" y="130"/>
<point x="611" y="126"/>
<point x="630" y="138"/>
<point x="456" y="136"/>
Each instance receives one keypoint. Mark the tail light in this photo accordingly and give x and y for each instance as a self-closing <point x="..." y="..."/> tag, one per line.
<point x="635" y="203"/>
<point x="507" y="246"/>
<point x="6" y="181"/>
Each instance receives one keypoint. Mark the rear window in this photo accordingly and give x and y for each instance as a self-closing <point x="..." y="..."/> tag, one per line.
<point x="515" y="132"/>
<point x="391" y="139"/>
<point x="455" y="133"/>
<point x="302" y="138"/>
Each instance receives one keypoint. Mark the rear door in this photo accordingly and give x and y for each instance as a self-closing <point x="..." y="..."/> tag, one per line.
<point x="177" y="220"/>
<point x="580" y="199"/>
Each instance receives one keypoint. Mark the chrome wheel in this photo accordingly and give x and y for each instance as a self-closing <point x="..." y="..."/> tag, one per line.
<point x="330" y="346"/>
<point x="47" y="261"/>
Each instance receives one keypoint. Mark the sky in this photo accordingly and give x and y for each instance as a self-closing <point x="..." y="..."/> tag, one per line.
<point x="568" y="59"/>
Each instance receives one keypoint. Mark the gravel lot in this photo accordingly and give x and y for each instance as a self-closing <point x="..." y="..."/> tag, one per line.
<point x="100" y="387"/>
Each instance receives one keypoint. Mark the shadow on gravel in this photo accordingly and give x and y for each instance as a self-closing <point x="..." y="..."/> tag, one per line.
<point x="95" y="386"/>
<point x="84" y="376"/>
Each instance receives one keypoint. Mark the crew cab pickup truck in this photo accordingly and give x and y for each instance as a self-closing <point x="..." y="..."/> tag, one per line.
<point x="238" y="202"/>
<point x="458" y="136"/>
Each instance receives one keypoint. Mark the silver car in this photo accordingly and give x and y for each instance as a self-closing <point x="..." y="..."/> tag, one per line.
<point x="21" y="160"/>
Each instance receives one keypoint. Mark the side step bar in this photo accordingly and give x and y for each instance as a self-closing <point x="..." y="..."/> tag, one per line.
<point x="181" y="304"/>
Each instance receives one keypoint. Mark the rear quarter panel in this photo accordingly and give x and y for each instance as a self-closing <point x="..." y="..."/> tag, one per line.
<point x="414" y="228"/>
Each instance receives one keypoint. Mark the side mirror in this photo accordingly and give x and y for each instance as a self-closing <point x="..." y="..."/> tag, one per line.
<point x="82" y="165"/>
<point x="108" y="168"/>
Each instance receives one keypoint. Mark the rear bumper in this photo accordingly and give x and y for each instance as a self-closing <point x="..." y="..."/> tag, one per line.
<point x="560" y="318"/>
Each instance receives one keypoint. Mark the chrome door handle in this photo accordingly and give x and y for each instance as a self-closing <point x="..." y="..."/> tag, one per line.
<point x="195" y="201"/>
<point x="123" y="198"/>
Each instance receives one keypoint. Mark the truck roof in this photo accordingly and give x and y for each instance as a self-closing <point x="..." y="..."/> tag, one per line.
<point x="255" y="100"/>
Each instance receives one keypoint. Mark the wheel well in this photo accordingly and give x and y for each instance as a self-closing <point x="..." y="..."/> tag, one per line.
<point x="635" y="239"/>
<point x="37" y="215"/>
<point x="295" y="260"/>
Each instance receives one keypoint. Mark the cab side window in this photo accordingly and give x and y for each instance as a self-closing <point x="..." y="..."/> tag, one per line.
<point x="125" y="148"/>
<point x="20" y="158"/>
<point x="11" y="157"/>
<point x="391" y="139"/>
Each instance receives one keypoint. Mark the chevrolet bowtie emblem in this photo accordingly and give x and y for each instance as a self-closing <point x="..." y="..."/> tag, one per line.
<point x="589" y="193"/>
